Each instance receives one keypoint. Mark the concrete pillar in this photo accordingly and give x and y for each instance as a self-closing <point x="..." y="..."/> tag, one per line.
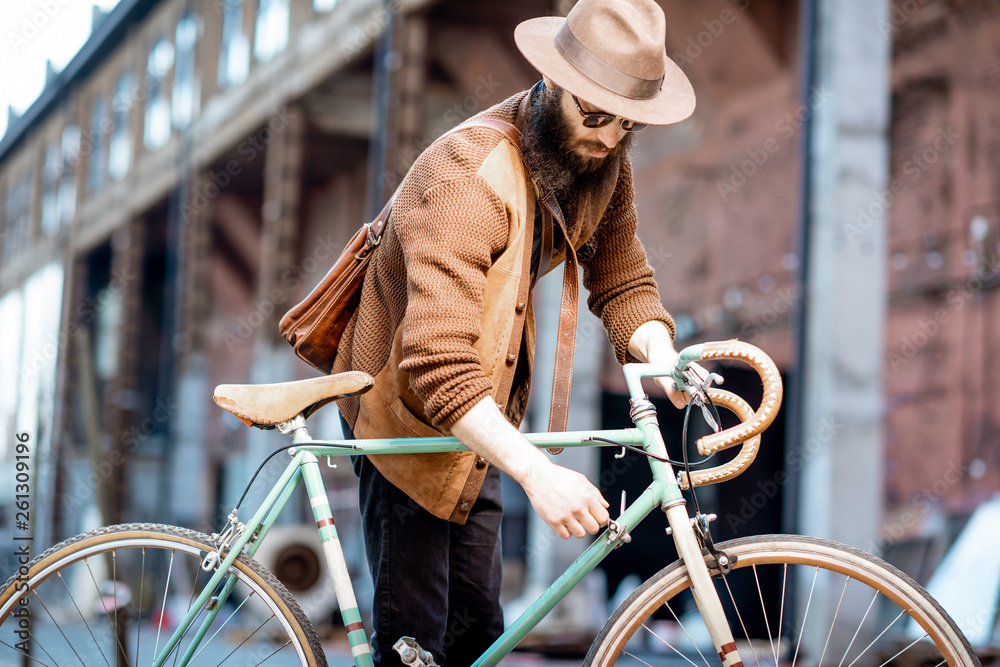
<point x="840" y="442"/>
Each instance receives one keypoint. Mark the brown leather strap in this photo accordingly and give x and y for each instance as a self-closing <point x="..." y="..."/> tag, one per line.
<point x="562" y="375"/>
<point x="546" y="250"/>
<point x="377" y="226"/>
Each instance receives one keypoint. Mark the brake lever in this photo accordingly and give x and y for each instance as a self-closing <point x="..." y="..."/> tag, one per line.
<point x="696" y="388"/>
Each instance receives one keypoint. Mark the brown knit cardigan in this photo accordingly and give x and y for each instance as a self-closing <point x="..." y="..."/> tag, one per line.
<point x="448" y="226"/>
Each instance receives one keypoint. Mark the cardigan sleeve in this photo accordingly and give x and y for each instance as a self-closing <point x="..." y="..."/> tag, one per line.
<point x="616" y="273"/>
<point x="449" y="239"/>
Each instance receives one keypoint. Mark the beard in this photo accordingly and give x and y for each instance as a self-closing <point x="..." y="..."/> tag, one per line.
<point x="553" y="154"/>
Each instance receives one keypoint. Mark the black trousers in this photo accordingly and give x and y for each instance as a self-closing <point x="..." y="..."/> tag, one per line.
<point x="435" y="581"/>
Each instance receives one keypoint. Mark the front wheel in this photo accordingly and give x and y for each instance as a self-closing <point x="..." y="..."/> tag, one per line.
<point x="115" y="595"/>
<point x="790" y="600"/>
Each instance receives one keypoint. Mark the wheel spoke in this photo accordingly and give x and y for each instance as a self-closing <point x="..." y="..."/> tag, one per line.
<point x="83" y="618"/>
<point x="857" y="632"/>
<point x="247" y="638"/>
<point x="138" y="606"/>
<point x="668" y="644"/>
<point x="887" y="628"/>
<point x="767" y="623"/>
<point x="205" y="644"/>
<point x="638" y="659"/>
<point x="833" y="623"/>
<point x="56" y="623"/>
<point x="23" y="652"/>
<point x="163" y="605"/>
<point x="742" y="624"/>
<point x="274" y="653"/>
<point x="113" y="625"/>
<point x="688" y="635"/>
<point x="805" y="616"/>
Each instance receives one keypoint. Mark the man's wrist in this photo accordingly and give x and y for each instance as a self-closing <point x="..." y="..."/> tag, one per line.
<point x="651" y="342"/>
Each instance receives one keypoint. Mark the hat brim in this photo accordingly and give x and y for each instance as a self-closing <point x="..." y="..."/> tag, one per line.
<point x="535" y="38"/>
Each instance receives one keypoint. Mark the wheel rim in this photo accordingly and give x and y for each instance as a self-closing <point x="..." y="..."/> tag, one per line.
<point x="830" y="612"/>
<point x="118" y="598"/>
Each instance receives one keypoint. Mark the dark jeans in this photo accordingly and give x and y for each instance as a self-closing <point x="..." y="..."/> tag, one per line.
<point x="435" y="581"/>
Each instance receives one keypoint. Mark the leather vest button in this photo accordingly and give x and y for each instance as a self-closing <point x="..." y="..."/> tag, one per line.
<point x="480" y="462"/>
<point x="465" y="507"/>
<point x="511" y="358"/>
<point x="520" y="306"/>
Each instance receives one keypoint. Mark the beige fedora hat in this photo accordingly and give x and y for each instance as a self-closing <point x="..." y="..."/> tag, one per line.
<point x="612" y="54"/>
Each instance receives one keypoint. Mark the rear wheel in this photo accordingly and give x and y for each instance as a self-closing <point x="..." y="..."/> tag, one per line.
<point x="789" y="600"/>
<point x="115" y="595"/>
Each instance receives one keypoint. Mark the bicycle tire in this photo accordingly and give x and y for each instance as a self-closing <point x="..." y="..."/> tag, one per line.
<point x="790" y="634"/>
<point x="114" y="596"/>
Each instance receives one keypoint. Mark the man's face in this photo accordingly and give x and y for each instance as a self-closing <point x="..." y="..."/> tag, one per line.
<point x="587" y="147"/>
<point x="561" y="152"/>
<point x="590" y="143"/>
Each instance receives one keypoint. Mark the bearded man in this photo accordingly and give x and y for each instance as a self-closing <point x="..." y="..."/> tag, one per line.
<point x="445" y="322"/>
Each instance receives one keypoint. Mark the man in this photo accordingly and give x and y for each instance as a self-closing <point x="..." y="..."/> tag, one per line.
<point x="445" y="322"/>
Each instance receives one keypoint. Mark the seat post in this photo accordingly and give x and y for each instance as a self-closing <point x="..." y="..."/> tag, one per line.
<point x="296" y="427"/>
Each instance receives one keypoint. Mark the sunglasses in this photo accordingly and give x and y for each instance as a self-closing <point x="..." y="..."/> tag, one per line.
<point x="594" y="119"/>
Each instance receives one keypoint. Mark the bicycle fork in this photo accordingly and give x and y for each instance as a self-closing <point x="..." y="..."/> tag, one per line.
<point x="687" y="543"/>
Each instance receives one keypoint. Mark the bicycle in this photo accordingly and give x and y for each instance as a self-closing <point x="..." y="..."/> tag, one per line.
<point x="154" y="594"/>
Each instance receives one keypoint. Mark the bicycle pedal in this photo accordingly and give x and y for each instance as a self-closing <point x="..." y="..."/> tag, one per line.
<point x="412" y="654"/>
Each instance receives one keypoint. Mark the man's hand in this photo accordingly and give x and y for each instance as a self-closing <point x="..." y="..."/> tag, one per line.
<point x="566" y="500"/>
<point x="652" y="343"/>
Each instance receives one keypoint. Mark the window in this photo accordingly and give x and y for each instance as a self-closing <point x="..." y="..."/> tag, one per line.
<point x="186" y="85"/>
<point x="16" y="216"/>
<point x="120" y="148"/>
<point x="324" y="5"/>
<point x="272" y="29"/>
<point x="234" y="56"/>
<point x="51" y="168"/>
<point x="67" y="184"/>
<point x="99" y="126"/>
<point x="156" y="130"/>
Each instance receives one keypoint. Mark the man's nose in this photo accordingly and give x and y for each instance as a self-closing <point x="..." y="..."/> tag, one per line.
<point x="611" y="134"/>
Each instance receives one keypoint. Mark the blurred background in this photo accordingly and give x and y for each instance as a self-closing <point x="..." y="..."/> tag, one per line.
<point x="181" y="173"/>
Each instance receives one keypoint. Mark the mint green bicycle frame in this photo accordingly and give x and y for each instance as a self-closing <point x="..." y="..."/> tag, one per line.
<point x="663" y="492"/>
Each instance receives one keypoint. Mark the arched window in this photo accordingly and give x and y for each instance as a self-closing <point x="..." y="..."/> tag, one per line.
<point x="120" y="148"/>
<point x="324" y="5"/>
<point x="156" y="131"/>
<point x="234" y="56"/>
<point x="272" y="29"/>
<point x="100" y="126"/>
<point x="187" y="88"/>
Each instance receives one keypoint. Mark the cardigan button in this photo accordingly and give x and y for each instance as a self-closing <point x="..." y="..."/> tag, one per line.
<point x="480" y="462"/>
<point x="511" y="358"/>
<point x="465" y="507"/>
<point x="521" y="305"/>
